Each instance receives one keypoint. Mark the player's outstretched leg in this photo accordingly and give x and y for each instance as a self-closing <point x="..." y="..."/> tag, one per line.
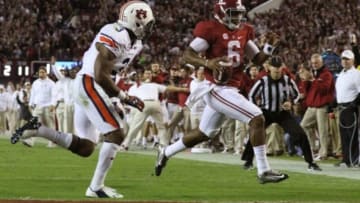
<point x="257" y="138"/>
<point x="32" y="124"/>
<point x="193" y="138"/>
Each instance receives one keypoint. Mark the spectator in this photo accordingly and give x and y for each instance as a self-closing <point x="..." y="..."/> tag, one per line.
<point x="319" y="93"/>
<point x="277" y="93"/>
<point x="348" y="98"/>
<point x="4" y="100"/>
<point x="42" y="100"/>
<point x="148" y="92"/>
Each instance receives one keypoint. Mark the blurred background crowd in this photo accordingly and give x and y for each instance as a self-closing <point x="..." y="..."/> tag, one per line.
<point x="35" y="29"/>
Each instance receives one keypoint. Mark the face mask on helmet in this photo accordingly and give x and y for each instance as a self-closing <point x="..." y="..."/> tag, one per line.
<point x="230" y="13"/>
<point x="145" y="31"/>
<point x="137" y="17"/>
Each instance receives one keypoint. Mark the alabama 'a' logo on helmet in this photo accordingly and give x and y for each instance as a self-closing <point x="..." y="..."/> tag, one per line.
<point x="140" y="14"/>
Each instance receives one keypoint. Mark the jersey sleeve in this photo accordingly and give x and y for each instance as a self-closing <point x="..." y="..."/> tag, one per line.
<point x="203" y="30"/>
<point x="107" y="37"/>
<point x="251" y="32"/>
<point x="110" y="44"/>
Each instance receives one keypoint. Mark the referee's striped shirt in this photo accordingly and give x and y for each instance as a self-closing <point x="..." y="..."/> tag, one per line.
<point x="269" y="94"/>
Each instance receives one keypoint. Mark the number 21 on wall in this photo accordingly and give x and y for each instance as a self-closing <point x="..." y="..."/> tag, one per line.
<point x="21" y="70"/>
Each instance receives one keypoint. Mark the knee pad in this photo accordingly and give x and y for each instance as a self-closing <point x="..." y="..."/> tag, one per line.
<point x="115" y="137"/>
<point x="82" y="147"/>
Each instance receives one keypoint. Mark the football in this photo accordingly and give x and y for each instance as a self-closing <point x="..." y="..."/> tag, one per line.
<point x="223" y="74"/>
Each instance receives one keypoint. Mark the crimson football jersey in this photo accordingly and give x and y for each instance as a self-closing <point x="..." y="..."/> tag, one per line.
<point x="224" y="42"/>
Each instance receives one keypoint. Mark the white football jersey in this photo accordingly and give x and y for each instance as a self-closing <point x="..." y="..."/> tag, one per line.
<point x="117" y="40"/>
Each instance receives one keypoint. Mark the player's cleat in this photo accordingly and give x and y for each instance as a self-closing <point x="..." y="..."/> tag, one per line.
<point x="342" y="164"/>
<point x="28" y="143"/>
<point x="248" y="165"/>
<point x="272" y="177"/>
<point x="314" y="167"/>
<point x="161" y="161"/>
<point x="32" y="124"/>
<point x="104" y="192"/>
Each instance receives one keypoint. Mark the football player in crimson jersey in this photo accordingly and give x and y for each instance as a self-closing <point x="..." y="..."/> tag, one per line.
<point x="113" y="48"/>
<point x="225" y="41"/>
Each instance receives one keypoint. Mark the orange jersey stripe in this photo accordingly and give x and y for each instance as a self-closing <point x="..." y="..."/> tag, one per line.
<point x="107" y="41"/>
<point x="99" y="103"/>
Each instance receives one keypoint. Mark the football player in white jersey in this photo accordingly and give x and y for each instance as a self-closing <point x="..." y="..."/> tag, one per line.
<point x="114" y="47"/>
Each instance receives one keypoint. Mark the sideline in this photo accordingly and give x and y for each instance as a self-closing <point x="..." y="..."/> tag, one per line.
<point x="279" y="164"/>
<point x="298" y="166"/>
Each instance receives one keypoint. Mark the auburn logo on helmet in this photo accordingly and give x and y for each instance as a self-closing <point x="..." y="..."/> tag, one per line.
<point x="140" y="14"/>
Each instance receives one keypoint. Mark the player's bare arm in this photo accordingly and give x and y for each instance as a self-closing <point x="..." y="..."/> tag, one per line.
<point x="103" y="67"/>
<point x="172" y="88"/>
<point x="271" y="41"/>
<point x="192" y="57"/>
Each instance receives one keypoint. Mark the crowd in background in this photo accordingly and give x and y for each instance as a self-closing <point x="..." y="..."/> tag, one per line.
<point x="37" y="30"/>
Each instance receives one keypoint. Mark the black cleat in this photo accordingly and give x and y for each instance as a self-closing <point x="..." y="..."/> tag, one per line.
<point x="248" y="165"/>
<point x="161" y="161"/>
<point x="314" y="167"/>
<point x="32" y="124"/>
<point x="272" y="177"/>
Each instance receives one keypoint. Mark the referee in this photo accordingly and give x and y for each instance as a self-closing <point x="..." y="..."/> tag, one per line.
<point x="348" y="98"/>
<point x="274" y="94"/>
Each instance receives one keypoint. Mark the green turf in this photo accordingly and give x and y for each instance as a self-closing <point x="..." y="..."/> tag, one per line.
<point x="42" y="173"/>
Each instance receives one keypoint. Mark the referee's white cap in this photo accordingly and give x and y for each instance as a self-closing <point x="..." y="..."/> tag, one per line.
<point x="348" y="54"/>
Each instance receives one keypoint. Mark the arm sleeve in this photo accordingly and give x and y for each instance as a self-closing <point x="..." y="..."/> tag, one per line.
<point x="161" y="88"/>
<point x="110" y="43"/>
<point x="294" y="91"/>
<point x="57" y="73"/>
<point x="53" y="92"/>
<point x="356" y="52"/>
<point x="256" y="90"/>
<point x="204" y="30"/>
<point x="32" y="94"/>
<point x="324" y="82"/>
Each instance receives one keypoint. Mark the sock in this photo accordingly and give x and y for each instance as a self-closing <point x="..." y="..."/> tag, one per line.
<point x="261" y="159"/>
<point x="174" y="148"/>
<point x="60" y="138"/>
<point x="180" y="135"/>
<point x="106" y="156"/>
<point x="156" y="139"/>
<point x="143" y="141"/>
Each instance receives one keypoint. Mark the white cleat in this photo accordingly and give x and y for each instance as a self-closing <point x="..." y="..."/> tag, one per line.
<point x="28" y="142"/>
<point x="104" y="192"/>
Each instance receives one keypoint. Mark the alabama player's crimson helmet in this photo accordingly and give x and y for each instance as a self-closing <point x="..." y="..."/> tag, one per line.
<point x="231" y="13"/>
<point x="138" y="17"/>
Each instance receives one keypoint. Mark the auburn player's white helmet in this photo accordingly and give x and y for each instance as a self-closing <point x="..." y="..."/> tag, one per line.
<point x="231" y="13"/>
<point x="138" y="17"/>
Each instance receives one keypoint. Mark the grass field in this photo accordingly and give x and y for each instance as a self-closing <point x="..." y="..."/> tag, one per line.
<point x="56" y="174"/>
